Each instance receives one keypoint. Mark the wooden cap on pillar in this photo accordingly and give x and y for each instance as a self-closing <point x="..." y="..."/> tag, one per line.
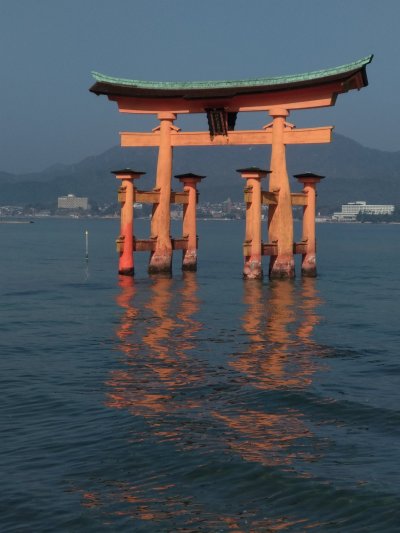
<point x="308" y="177"/>
<point x="189" y="177"/>
<point x="127" y="173"/>
<point x="253" y="172"/>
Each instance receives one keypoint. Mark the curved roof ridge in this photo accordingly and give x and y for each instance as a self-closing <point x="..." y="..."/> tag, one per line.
<point x="222" y="84"/>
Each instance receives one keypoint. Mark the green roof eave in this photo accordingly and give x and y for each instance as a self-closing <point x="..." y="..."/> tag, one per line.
<point x="121" y="86"/>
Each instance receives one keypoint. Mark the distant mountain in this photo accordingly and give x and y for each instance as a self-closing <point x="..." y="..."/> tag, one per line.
<point x="353" y="172"/>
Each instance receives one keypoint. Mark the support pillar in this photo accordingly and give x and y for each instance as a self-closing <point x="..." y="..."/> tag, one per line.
<point x="309" y="181"/>
<point x="280" y="217"/>
<point x="161" y="257"/>
<point x="126" y="195"/>
<point x="189" y="256"/>
<point x="252" y="246"/>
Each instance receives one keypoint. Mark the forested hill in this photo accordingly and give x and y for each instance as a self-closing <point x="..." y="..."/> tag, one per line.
<point x="353" y="172"/>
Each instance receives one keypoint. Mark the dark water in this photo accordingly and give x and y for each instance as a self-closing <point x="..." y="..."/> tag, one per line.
<point x="198" y="403"/>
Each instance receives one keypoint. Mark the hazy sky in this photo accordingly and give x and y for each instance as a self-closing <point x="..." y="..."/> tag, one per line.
<point x="49" y="47"/>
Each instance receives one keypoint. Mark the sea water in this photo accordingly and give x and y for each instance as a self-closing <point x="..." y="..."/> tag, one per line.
<point x="199" y="402"/>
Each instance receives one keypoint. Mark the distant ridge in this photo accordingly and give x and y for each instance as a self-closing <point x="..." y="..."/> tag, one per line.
<point x="353" y="172"/>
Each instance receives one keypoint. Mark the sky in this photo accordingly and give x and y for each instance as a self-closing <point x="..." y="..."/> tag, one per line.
<point x="48" y="49"/>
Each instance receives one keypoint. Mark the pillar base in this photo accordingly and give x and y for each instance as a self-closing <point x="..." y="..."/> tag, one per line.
<point x="160" y="262"/>
<point x="126" y="271"/>
<point x="282" y="267"/>
<point x="189" y="261"/>
<point x="308" y="266"/>
<point x="253" y="269"/>
<point x="189" y="267"/>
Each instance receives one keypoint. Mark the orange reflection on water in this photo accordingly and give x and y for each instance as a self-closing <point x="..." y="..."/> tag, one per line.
<point x="137" y="502"/>
<point x="141" y="506"/>
<point x="279" y="320"/>
<point x="268" y="525"/>
<point x="156" y="340"/>
<point x="266" y="438"/>
<point x="310" y="302"/>
<point x="168" y="342"/>
<point x="146" y="504"/>
<point x="272" y="525"/>
<point x="156" y="354"/>
<point x="90" y="500"/>
<point x="124" y="300"/>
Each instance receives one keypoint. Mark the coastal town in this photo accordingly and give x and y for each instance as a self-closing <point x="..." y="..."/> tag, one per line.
<point x="72" y="206"/>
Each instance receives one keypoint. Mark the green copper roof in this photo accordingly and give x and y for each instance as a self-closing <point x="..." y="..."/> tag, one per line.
<point x="224" y="84"/>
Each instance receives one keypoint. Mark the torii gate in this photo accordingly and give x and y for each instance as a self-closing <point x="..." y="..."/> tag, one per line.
<point x="221" y="101"/>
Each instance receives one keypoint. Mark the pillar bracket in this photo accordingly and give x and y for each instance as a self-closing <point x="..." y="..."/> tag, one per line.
<point x="288" y="125"/>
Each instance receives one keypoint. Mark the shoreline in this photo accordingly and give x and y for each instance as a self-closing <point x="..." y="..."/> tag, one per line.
<point x="32" y="219"/>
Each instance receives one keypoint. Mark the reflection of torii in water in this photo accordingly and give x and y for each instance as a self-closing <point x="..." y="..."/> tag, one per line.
<point x="221" y="101"/>
<point x="279" y="321"/>
<point x="170" y="389"/>
<point x="157" y="350"/>
<point x="158" y="368"/>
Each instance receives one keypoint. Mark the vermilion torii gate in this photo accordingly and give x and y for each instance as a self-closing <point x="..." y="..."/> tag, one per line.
<point x="221" y="101"/>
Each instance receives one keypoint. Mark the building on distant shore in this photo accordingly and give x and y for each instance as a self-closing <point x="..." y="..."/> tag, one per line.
<point x="350" y="211"/>
<point x="72" y="202"/>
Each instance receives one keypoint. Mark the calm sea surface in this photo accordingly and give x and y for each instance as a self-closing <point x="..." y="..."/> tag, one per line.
<point x="200" y="402"/>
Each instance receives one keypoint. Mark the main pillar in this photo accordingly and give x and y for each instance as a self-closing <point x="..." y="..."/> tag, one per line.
<point x="309" y="181"/>
<point x="161" y="257"/>
<point x="189" y="256"/>
<point x="125" y="240"/>
<point x="280" y="217"/>
<point x="252" y="246"/>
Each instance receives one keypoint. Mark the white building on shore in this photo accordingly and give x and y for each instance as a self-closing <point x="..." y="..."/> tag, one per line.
<point x="72" y="202"/>
<point x="350" y="211"/>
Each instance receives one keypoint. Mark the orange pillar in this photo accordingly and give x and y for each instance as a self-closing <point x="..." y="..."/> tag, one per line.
<point x="161" y="257"/>
<point x="309" y="181"/>
<point x="189" y="256"/>
<point x="252" y="248"/>
<point x="280" y="217"/>
<point x="125" y="240"/>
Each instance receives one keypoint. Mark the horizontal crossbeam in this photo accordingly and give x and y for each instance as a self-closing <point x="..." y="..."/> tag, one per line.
<point x="153" y="197"/>
<point x="299" y="198"/>
<point x="149" y="245"/>
<point x="233" y="138"/>
<point x="144" y="245"/>
<point x="271" y="198"/>
<point x="272" y="249"/>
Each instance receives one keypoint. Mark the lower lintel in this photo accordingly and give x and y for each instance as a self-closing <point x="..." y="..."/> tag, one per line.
<point x="234" y="138"/>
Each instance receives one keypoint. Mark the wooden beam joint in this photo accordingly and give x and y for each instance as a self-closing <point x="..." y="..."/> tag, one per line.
<point x="153" y="197"/>
<point x="149" y="245"/>
<point x="272" y="248"/>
